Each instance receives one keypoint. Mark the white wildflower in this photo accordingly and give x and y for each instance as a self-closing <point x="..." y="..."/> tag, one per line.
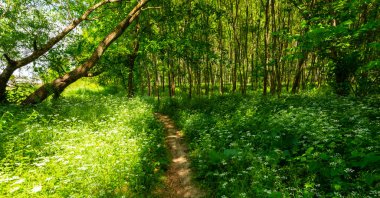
<point x="14" y="189"/>
<point x="37" y="189"/>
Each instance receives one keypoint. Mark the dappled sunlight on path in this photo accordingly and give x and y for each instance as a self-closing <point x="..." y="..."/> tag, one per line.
<point x="178" y="178"/>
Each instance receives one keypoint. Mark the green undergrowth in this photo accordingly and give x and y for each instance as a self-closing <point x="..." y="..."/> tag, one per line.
<point x="90" y="143"/>
<point x="310" y="145"/>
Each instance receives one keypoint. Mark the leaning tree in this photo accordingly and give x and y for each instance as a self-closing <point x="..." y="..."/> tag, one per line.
<point x="13" y="65"/>
<point x="59" y="84"/>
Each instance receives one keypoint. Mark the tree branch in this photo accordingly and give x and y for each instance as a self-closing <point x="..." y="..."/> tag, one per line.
<point x="35" y="48"/>
<point x="46" y="47"/>
<point x="97" y="73"/>
<point x="59" y="84"/>
<point x="9" y="60"/>
<point x="151" y="8"/>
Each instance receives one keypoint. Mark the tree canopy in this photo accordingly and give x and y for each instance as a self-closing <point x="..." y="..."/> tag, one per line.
<point x="201" y="47"/>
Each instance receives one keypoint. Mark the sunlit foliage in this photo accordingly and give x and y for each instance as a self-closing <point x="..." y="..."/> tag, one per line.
<point x="90" y="143"/>
<point x="297" y="146"/>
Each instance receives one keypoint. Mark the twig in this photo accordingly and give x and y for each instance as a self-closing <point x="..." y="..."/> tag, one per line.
<point x="151" y="8"/>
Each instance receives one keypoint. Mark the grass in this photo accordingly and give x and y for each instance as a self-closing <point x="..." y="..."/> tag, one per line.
<point x="95" y="142"/>
<point x="309" y="145"/>
<point x="90" y="143"/>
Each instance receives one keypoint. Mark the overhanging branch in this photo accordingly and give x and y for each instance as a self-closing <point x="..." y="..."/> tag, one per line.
<point x="9" y="60"/>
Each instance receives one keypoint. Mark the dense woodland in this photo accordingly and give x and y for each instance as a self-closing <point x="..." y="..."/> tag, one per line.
<point x="276" y="98"/>
<point x="201" y="47"/>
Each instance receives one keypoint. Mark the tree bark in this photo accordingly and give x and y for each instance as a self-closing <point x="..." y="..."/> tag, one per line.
<point x="275" y="51"/>
<point x="16" y="64"/>
<point x="148" y="80"/>
<point x="220" y="34"/>
<point x="190" y="80"/>
<point x="172" y="87"/>
<point x="156" y="82"/>
<point x="297" y="78"/>
<point x="59" y="84"/>
<point x="266" y="53"/>
<point x="4" y="78"/>
<point x="131" y="61"/>
<point x="131" y="65"/>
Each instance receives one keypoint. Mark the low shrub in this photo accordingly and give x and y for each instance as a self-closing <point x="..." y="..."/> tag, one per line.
<point x="295" y="146"/>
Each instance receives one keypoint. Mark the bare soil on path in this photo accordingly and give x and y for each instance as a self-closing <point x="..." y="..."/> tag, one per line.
<point x="178" y="181"/>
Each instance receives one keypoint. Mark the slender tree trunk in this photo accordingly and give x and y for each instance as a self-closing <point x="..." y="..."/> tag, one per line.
<point x="297" y="78"/>
<point x="157" y="86"/>
<point x="169" y="74"/>
<point x="221" y="54"/>
<point x="190" y="80"/>
<point x="131" y="66"/>
<point x="169" y="84"/>
<point x="162" y="78"/>
<point x="198" y="79"/>
<point x="236" y="45"/>
<point x="274" y="50"/>
<point x="131" y="63"/>
<point x="257" y="53"/>
<point x="245" y="53"/>
<point x="172" y="85"/>
<point x="207" y="78"/>
<point x="4" y="78"/>
<point x="212" y="79"/>
<point x="59" y="84"/>
<point x="266" y="42"/>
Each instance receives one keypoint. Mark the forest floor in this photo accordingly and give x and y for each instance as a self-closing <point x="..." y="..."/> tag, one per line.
<point x="178" y="180"/>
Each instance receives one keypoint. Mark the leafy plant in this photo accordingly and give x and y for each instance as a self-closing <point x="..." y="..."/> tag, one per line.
<point x="310" y="145"/>
<point x="89" y="143"/>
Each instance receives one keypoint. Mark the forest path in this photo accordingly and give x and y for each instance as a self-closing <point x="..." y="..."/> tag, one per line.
<point x="178" y="181"/>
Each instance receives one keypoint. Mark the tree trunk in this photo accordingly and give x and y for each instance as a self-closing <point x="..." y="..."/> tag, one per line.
<point x="156" y="83"/>
<point x="221" y="55"/>
<point x="4" y="78"/>
<point x="190" y="81"/>
<point x="236" y="45"/>
<point x="297" y="79"/>
<point x="172" y="76"/>
<point x="198" y="79"/>
<point x="130" y="78"/>
<point x="257" y="54"/>
<point x="274" y="51"/>
<point x="59" y="84"/>
<point x="162" y="78"/>
<point x="131" y="65"/>
<point x="148" y="82"/>
<point x="266" y="42"/>
<point x="169" y="84"/>
<point x="131" y="61"/>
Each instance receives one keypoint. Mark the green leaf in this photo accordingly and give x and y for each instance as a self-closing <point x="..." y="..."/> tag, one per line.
<point x="309" y="150"/>
<point x="324" y="156"/>
<point x="337" y="186"/>
<point x="230" y="152"/>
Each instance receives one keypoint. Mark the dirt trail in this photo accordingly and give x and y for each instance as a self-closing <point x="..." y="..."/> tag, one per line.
<point x="178" y="182"/>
